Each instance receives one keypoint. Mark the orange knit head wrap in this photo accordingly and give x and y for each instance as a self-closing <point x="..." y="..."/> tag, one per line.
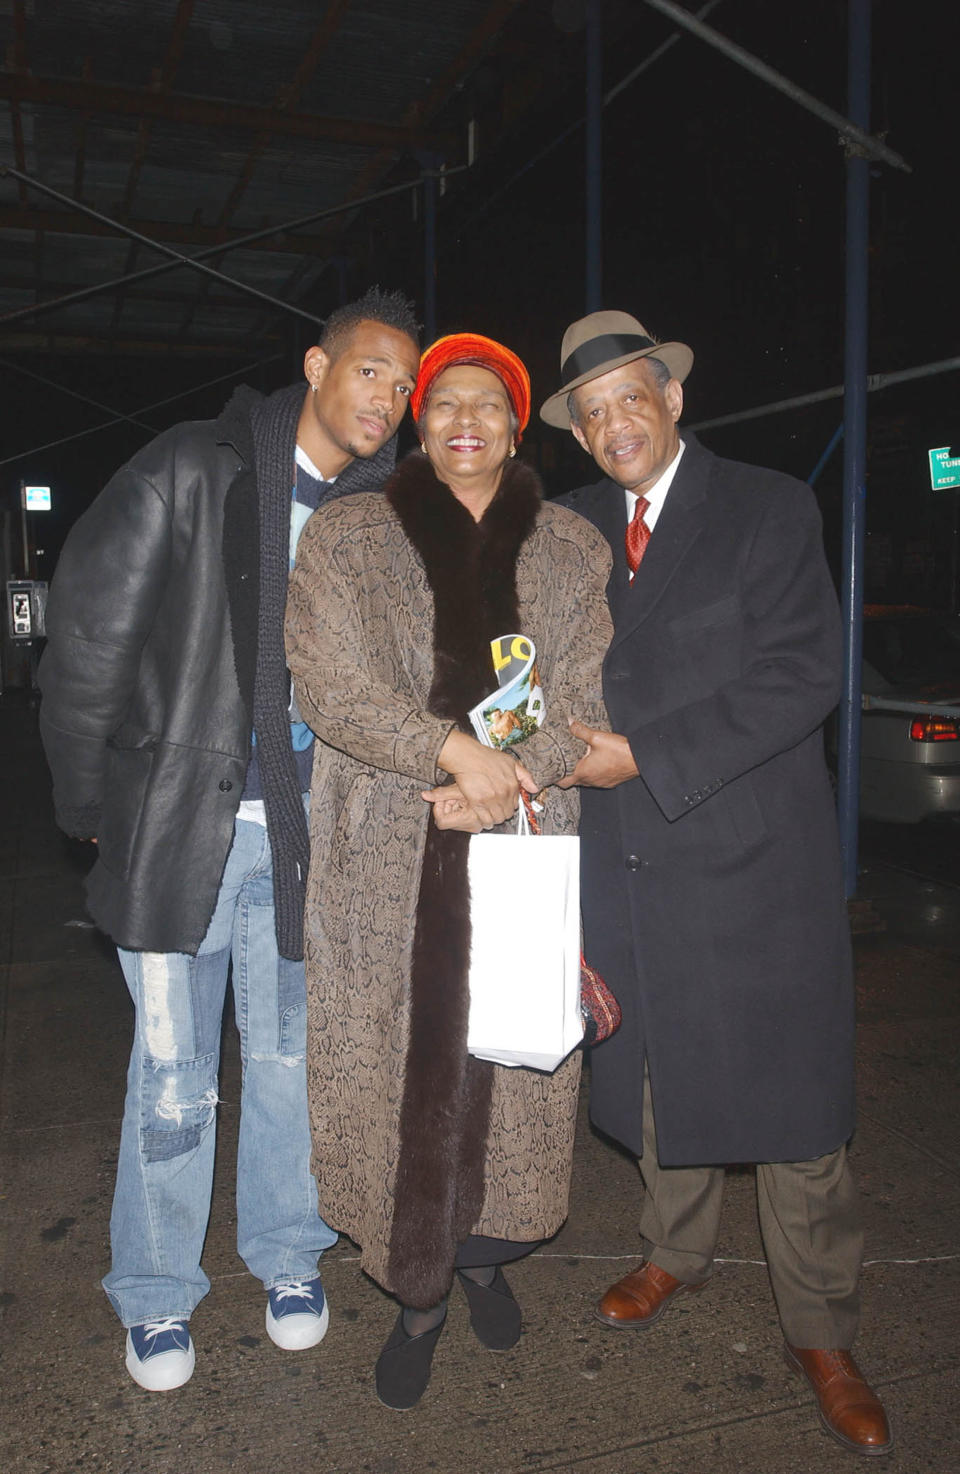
<point x="473" y="348"/>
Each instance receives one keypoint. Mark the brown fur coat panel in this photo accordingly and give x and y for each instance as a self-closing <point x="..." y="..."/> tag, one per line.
<point x="444" y="1117"/>
<point x="445" y="1110"/>
<point x="494" y="1144"/>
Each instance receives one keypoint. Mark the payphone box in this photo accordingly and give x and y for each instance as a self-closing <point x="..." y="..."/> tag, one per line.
<point x="26" y="609"/>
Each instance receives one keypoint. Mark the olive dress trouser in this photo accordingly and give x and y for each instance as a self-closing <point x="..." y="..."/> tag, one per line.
<point x="809" y="1222"/>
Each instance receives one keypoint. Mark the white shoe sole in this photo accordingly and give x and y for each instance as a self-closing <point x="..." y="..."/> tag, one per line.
<point x="298" y="1332"/>
<point x="160" y="1373"/>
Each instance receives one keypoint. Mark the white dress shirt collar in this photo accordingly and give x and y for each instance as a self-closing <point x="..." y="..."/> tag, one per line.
<point x="657" y="494"/>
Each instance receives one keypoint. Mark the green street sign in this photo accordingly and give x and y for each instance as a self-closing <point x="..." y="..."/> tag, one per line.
<point x="944" y="469"/>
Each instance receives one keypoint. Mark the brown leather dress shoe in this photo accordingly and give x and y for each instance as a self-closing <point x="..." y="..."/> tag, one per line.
<point x="849" y="1410"/>
<point x="641" y="1297"/>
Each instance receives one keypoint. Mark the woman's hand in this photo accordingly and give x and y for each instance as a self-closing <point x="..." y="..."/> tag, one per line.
<point x="451" y="810"/>
<point x="488" y="781"/>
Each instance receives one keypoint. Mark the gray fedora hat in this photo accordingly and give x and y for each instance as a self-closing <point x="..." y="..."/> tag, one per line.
<point x="603" y="341"/>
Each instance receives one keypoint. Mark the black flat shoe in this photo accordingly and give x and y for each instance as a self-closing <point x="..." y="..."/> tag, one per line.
<point x="495" y="1316"/>
<point x="403" y="1366"/>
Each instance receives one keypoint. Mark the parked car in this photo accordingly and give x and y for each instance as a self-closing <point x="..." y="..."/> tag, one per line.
<point x="910" y="737"/>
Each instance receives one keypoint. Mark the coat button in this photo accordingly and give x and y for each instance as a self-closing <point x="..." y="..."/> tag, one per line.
<point x="633" y="862"/>
<point x="225" y="785"/>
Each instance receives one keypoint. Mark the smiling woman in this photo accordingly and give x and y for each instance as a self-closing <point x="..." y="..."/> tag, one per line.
<point x="441" y="1166"/>
<point x="471" y="405"/>
<point x="467" y="429"/>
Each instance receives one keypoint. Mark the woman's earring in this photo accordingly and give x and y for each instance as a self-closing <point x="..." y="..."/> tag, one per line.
<point x="513" y="450"/>
<point x="313" y="388"/>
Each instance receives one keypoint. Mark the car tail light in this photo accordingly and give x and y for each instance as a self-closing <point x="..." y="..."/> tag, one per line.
<point x="935" y="729"/>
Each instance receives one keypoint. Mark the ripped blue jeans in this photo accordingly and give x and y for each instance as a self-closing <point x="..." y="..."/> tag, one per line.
<point x="165" y="1170"/>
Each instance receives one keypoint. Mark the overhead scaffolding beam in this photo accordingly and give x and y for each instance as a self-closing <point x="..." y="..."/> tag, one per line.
<point x="851" y="133"/>
<point x="836" y="391"/>
<point x="207" y="112"/>
<point x="76" y="344"/>
<point x="135" y="235"/>
<point x="181" y="233"/>
<point x="177" y="259"/>
<point x="71" y="393"/>
<point x="118" y="418"/>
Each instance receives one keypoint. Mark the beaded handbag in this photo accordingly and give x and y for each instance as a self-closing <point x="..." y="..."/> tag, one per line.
<point x="600" y="1010"/>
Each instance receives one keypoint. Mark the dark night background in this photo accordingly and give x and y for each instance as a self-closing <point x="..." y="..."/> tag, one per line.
<point x="723" y="225"/>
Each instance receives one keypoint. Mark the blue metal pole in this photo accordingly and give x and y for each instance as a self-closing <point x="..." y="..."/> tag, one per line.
<point x="832" y="444"/>
<point x="594" y="156"/>
<point x="854" y="440"/>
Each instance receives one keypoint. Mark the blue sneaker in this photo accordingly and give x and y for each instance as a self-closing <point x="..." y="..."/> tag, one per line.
<point x="160" y="1354"/>
<point x="297" y="1314"/>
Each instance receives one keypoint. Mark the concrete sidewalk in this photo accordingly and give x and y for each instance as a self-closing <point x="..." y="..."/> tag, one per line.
<point x="706" y="1388"/>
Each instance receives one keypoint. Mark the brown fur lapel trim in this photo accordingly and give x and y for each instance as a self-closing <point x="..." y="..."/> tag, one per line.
<point x="471" y="569"/>
<point x="445" y="1112"/>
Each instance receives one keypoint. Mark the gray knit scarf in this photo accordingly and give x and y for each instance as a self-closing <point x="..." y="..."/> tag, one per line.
<point x="274" y="423"/>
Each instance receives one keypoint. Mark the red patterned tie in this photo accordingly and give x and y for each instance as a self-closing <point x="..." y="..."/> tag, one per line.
<point x="637" y="535"/>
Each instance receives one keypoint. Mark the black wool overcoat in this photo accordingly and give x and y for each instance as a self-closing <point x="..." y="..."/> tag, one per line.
<point x="711" y="883"/>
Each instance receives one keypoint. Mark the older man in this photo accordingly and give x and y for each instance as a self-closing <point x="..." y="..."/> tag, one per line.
<point x="711" y="882"/>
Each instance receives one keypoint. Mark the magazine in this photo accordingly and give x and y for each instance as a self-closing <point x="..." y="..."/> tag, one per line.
<point x="515" y="708"/>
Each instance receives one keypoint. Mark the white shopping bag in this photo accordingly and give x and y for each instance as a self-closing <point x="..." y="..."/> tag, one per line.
<point x="525" y="947"/>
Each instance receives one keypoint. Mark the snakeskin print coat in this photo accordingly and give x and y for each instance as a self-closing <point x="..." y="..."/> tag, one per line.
<point x="360" y="626"/>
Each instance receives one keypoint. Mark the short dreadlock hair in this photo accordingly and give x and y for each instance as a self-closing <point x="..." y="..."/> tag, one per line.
<point x="391" y="309"/>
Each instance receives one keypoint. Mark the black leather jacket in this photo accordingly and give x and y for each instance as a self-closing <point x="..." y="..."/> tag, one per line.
<point x="147" y="678"/>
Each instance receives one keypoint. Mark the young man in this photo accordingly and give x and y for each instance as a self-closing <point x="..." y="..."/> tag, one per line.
<point x="173" y="743"/>
<point x="711" y="880"/>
